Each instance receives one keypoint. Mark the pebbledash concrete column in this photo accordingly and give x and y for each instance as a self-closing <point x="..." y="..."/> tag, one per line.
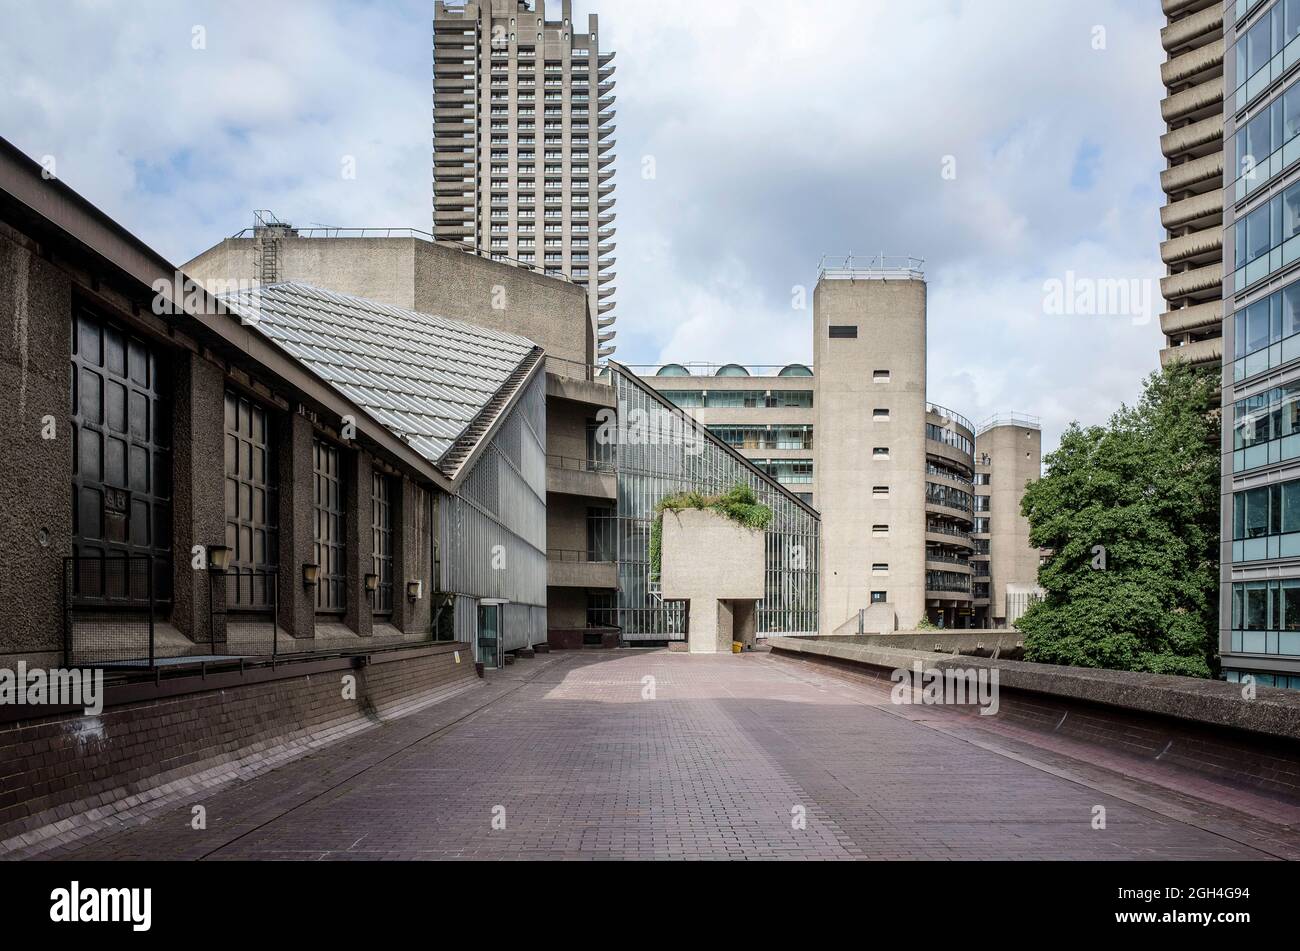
<point x="198" y="501"/>
<point x="358" y="490"/>
<point x="413" y="559"/>
<point x="717" y="565"/>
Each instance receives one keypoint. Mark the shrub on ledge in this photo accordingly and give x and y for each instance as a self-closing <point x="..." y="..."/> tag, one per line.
<point x="741" y="505"/>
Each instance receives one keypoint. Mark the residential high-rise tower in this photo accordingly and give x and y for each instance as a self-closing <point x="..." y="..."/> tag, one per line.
<point x="1193" y="181"/>
<point x="523" y="142"/>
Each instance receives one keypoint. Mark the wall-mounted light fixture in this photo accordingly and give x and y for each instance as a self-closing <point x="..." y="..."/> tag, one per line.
<point x="219" y="557"/>
<point x="310" y="574"/>
<point x="372" y="584"/>
<point x="415" y="590"/>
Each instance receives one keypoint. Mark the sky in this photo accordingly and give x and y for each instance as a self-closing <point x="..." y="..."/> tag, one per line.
<point x="1011" y="144"/>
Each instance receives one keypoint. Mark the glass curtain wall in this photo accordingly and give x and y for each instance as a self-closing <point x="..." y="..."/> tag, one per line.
<point x="661" y="451"/>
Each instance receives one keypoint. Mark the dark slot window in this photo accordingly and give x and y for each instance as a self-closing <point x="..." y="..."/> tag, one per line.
<point x="844" y="333"/>
<point x="331" y="544"/>
<point x="382" y="528"/>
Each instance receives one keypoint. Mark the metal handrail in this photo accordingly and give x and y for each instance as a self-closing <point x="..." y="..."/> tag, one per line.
<point x="571" y="557"/>
<point x="880" y="266"/>
<point x="950" y="415"/>
<point x="710" y="370"/>
<point x="570" y="464"/>
<point x="935" y="529"/>
<point x="74" y="599"/>
<point x="1009" y="419"/>
<point x="325" y="232"/>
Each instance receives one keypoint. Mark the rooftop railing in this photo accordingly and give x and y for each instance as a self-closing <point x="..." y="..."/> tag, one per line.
<point x="950" y="415"/>
<point x="707" y="370"/>
<point x="289" y="232"/>
<point x="1009" y="419"/>
<point x="880" y="267"/>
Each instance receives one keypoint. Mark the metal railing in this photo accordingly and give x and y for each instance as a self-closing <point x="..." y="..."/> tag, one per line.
<point x="710" y="370"/>
<point x="877" y="267"/>
<point x="251" y="597"/>
<point x="109" y="606"/>
<point x="320" y="232"/>
<point x="568" y="464"/>
<point x="950" y="415"/>
<point x="574" y="557"/>
<point x="935" y="528"/>
<point x="1009" y="419"/>
<point x="576" y="370"/>
<point x="932" y="554"/>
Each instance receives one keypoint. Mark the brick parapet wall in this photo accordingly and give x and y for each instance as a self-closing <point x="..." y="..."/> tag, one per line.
<point x="1202" y="726"/>
<point x="62" y="767"/>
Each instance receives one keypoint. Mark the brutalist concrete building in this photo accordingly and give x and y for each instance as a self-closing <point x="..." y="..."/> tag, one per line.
<point x="600" y="492"/>
<point x="523" y="142"/>
<point x="283" y="470"/>
<point x="920" y="510"/>
<point x="1193" y="110"/>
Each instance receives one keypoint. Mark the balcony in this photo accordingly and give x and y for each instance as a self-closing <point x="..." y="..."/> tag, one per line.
<point x="946" y="533"/>
<point x="1197" y="353"/>
<point x="1194" y="64"/>
<point x="1202" y="280"/>
<point x="1191" y="102"/>
<point x="1196" y="211"/>
<point x="1194" y="248"/>
<point x="1199" y="138"/>
<point x="580" y="569"/>
<point x="1201" y="317"/>
<point x="946" y="559"/>
<point x="585" y="478"/>
<point x="1198" y="174"/>
<point x="1202" y="25"/>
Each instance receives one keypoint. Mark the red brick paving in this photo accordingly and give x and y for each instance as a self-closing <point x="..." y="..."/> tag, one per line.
<point x="711" y="768"/>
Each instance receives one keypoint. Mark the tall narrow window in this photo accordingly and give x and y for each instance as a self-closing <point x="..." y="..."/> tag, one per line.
<point x="121" y="463"/>
<point x="331" y="544"/>
<point x="381" y="526"/>
<point x="252" y="503"/>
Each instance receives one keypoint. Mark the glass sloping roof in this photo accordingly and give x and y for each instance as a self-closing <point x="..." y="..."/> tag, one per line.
<point x="425" y="378"/>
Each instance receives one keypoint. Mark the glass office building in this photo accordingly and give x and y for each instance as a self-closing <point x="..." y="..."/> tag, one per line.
<point x="1260" y="574"/>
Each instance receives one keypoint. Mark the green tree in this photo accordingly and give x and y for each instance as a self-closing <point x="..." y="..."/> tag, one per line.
<point x="1130" y="512"/>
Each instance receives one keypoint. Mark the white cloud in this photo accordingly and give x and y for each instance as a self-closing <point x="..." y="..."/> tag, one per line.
<point x="781" y="130"/>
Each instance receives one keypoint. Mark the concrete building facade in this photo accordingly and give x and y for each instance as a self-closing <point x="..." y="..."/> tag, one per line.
<point x="523" y="160"/>
<point x="1259" y="616"/>
<point x="251" y="475"/>
<point x="599" y="495"/>
<point x="764" y="413"/>
<point x="1193" y="110"/>
<point x="855" y="436"/>
<point x="408" y="269"/>
<point x="1008" y="456"/>
<point x="869" y="345"/>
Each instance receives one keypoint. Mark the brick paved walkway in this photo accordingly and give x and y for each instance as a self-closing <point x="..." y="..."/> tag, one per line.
<point x="564" y="750"/>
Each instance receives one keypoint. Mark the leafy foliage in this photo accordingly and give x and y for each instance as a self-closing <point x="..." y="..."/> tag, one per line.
<point x="740" y="505"/>
<point x="1130" y="512"/>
